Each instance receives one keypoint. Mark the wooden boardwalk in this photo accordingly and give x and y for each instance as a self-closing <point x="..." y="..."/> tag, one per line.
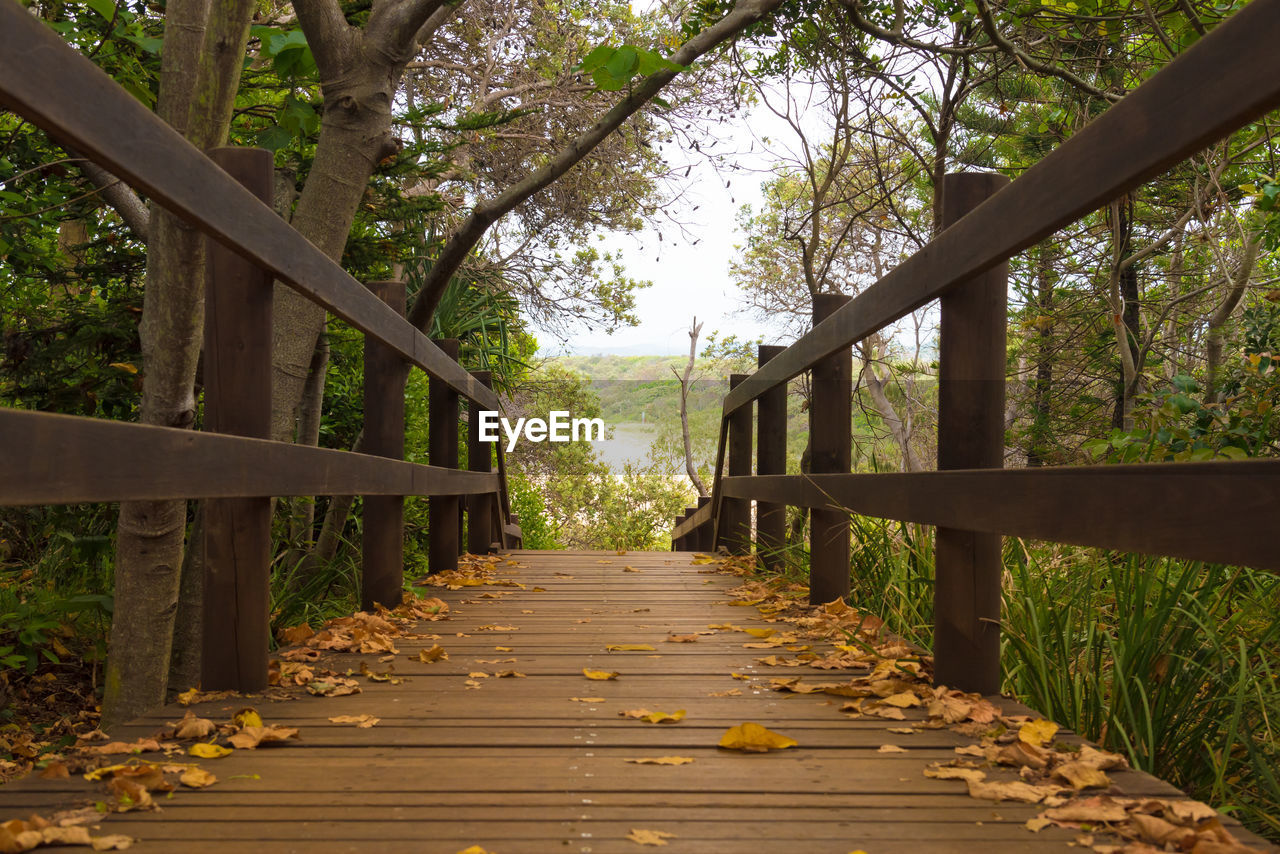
<point x="515" y="765"/>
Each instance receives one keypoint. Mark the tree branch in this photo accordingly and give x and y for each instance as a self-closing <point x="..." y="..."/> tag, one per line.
<point x="119" y="195"/>
<point x="455" y="251"/>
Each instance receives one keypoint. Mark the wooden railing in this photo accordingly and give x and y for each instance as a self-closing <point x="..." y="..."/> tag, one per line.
<point x="1212" y="511"/>
<point x="61" y="459"/>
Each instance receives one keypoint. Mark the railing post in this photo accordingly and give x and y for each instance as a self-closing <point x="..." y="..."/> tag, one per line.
<point x="700" y="541"/>
<point x="771" y="458"/>
<point x="971" y="380"/>
<point x="382" y="544"/>
<point x="681" y="544"/>
<point x="479" y="458"/>
<point x="442" y="450"/>
<point x="831" y="437"/>
<point x="735" y="513"/>
<point x="237" y="400"/>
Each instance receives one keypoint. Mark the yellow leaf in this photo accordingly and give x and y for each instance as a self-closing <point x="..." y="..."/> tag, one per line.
<point x="247" y="717"/>
<point x="901" y="700"/>
<point x="1038" y="732"/>
<point x="744" y="677"/>
<point x="197" y="778"/>
<point x="600" y="675"/>
<point x="209" y="751"/>
<point x="631" y="569"/>
<point x="586" y="699"/>
<point x="649" y="837"/>
<point x="753" y="738"/>
<point x="509" y="674"/>
<point x="505" y="648"/>
<point x="188" y="697"/>
<point x="629" y="647"/>
<point x="761" y="633"/>
<point x="124" y="366"/>
<point x="692" y="638"/>
<point x="654" y="717"/>
<point x="476" y="849"/>
<point x="662" y="760"/>
<point x="1079" y="775"/>
<point x="251" y="736"/>
<point x="436" y="653"/>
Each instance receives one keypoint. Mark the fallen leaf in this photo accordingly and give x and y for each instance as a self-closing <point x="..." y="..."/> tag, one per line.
<point x="1014" y="790"/>
<point x="600" y="675"/>
<point x="1038" y="732"/>
<point x="113" y="748"/>
<point x="661" y="760"/>
<point x="1160" y="832"/>
<point x="903" y="730"/>
<point x="586" y="699"/>
<point x="509" y="674"/>
<point x="205" y="750"/>
<point x="1035" y="825"/>
<point x="192" y="726"/>
<point x="436" y="653"/>
<point x="761" y="633"/>
<point x="504" y="648"/>
<point x="649" y="837"/>
<point x="55" y="771"/>
<point x="754" y="738"/>
<point x="251" y="736"/>
<point x="361" y="721"/>
<point x="111" y="842"/>
<point x="947" y="771"/>
<point x="693" y="638"/>
<point x="129" y="795"/>
<point x="295" y="634"/>
<point x="629" y="647"/>
<point x="631" y="569"/>
<point x="197" y="778"/>
<point x="476" y="849"/>
<point x="1094" y="810"/>
<point x="247" y="717"/>
<point x="744" y="677"/>
<point x="654" y="717"/>
<point x="890" y="748"/>
<point x="1078" y="775"/>
<point x="732" y="692"/>
<point x="901" y="700"/>
<point x="492" y="628"/>
<point x="334" y="686"/>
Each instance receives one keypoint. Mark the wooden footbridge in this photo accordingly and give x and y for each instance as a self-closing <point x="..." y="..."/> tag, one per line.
<point x="514" y="762"/>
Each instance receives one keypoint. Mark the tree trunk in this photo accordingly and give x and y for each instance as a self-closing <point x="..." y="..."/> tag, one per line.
<point x="196" y="98"/>
<point x="684" y="411"/>
<point x="1215" y="336"/>
<point x="302" y="509"/>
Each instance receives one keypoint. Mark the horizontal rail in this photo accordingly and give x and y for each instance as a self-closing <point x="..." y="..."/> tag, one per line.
<point x="67" y="459"/>
<point x="1221" y="512"/>
<point x="56" y="88"/>
<point x="1218" y="85"/>
<point x="699" y="518"/>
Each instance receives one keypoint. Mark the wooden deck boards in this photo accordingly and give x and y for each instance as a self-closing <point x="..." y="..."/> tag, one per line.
<point x="515" y="766"/>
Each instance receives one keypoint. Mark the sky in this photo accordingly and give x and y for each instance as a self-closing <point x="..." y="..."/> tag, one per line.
<point x="687" y="280"/>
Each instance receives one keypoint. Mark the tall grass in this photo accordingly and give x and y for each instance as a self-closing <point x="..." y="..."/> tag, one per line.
<point x="1172" y="663"/>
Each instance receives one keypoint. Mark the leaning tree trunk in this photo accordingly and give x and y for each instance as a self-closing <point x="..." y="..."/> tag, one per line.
<point x="196" y="98"/>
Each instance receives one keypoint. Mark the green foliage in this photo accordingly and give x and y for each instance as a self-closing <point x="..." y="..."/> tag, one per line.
<point x="527" y="503"/>
<point x="613" y="68"/>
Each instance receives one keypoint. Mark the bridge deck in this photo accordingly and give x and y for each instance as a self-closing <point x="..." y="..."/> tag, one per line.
<point x="515" y="765"/>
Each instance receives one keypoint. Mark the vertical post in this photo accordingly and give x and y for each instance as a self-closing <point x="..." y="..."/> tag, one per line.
<point x="771" y="458"/>
<point x="479" y="458"/>
<point x="831" y="435"/>
<point x="735" y="513"/>
<point x="700" y="541"/>
<point x="971" y="380"/>
<point x="442" y="450"/>
<point x="237" y="400"/>
<point x="382" y="545"/>
<point x="681" y="544"/>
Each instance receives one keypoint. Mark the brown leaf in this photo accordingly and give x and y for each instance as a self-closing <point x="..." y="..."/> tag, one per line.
<point x="509" y="674"/>
<point x="1020" y="753"/>
<point x="55" y="771"/>
<point x="1014" y="790"/>
<point x="654" y="717"/>
<point x="952" y="771"/>
<point x="128" y="795"/>
<point x="890" y="748"/>
<point x="295" y="634"/>
<point x="629" y="647"/>
<point x="436" y="653"/>
<point x="197" y="778"/>
<point x="661" y="760"/>
<point x="113" y="748"/>
<point x="586" y="699"/>
<point x="333" y="686"/>
<point x="673" y="638"/>
<point x="252" y="736"/>
<point x="1161" y="832"/>
<point x="361" y="721"/>
<point x="192" y="726"/>
<point x="1093" y="810"/>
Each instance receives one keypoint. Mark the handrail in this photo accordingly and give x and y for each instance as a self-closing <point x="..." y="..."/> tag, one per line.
<point x="55" y="87"/>
<point x="1204" y="511"/>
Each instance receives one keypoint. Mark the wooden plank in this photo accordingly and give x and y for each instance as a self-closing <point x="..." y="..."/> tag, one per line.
<point x="67" y="459"/>
<point x="57" y="88"/>
<point x="701" y="517"/>
<point x="1218" y="85"/>
<point x="445" y="512"/>
<point x="771" y="458"/>
<point x="1209" y="511"/>
<point x="971" y="381"/>
<point x="734" y="529"/>
<point x="480" y="515"/>
<point x="831" y="444"/>
<point x="382" y="533"/>
<point x="236" y="534"/>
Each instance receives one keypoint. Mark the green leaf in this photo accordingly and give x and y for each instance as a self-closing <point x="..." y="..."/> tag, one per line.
<point x="105" y="8"/>
<point x="274" y="138"/>
<point x="597" y="58"/>
<point x="622" y="65"/>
